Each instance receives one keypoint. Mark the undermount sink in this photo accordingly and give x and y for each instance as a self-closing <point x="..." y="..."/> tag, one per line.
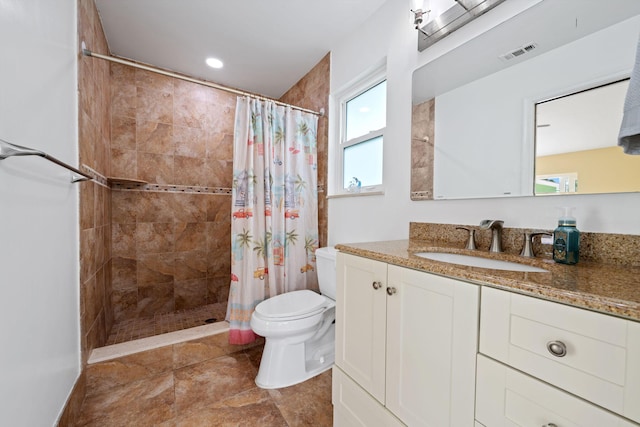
<point x="474" y="261"/>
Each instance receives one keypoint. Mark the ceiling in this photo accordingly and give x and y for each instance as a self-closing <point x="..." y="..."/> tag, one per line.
<point x="266" y="46"/>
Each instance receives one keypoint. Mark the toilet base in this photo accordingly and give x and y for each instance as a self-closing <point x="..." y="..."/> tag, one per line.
<point x="285" y="363"/>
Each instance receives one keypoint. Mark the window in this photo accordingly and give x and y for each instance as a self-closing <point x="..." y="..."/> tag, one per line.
<point x="363" y="122"/>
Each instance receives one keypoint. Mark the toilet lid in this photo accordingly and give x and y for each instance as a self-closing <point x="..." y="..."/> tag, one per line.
<point x="292" y="304"/>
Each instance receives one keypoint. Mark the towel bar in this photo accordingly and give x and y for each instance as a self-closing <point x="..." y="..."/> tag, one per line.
<point x="8" y="149"/>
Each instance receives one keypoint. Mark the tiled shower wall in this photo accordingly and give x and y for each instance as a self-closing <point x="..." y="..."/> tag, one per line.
<point x="312" y="92"/>
<point x="95" y="198"/>
<point x="171" y="238"/>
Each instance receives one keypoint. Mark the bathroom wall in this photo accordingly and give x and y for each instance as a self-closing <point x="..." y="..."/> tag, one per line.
<point x="39" y="316"/>
<point x="312" y="93"/>
<point x="171" y="236"/>
<point x="389" y="36"/>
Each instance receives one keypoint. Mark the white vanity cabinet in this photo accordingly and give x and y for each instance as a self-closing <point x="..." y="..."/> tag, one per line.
<point x="593" y="356"/>
<point x="406" y="344"/>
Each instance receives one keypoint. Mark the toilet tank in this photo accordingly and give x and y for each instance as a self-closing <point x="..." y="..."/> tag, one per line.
<point x="326" y="264"/>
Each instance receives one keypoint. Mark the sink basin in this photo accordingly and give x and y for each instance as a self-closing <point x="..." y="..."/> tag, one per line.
<point x="474" y="261"/>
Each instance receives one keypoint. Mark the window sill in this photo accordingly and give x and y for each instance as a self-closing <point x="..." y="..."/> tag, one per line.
<point x="377" y="192"/>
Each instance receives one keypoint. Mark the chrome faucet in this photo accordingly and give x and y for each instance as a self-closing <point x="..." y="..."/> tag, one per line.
<point x="495" y="225"/>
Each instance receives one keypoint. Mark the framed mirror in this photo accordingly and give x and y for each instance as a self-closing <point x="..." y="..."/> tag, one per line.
<point x="483" y="95"/>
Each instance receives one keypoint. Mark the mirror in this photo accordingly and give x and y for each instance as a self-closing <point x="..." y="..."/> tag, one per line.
<point x="576" y="144"/>
<point x="482" y="95"/>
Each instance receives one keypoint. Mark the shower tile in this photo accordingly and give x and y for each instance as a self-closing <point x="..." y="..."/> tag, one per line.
<point x="86" y="138"/>
<point x="190" y="236"/>
<point x="124" y="206"/>
<point x="218" y="289"/>
<point x="87" y="253"/>
<point x="123" y="273"/>
<point x="220" y="145"/>
<point x="154" y="105"/>
<point x="125" y="304"/>
<point x="154" y="137"/>
<point x="192" y="91"/>
<point x="124" y="163"/>
<point x="190" y="293"/>
<point x="103" y="376"/>
<point x="123" y="240"/>
<point x="189" y="141"/>
<point x="156" y="207"/>
<point x="154" y="81"/>
<point x="202" y="385"/>
<point x="191" y="112"/>
<point x="99" y="247"/>
<point x="219" y="173"/>
<point x="87" y="215"/>
<point x="155" y="298"/>
<point x="189" y="171"/>
<point x="154" y="237"/>
<point x="218" y="208"/>
<point x="155" y="268"/>
<point x="123" y="100"/>
<point x="122" y="406"/>
<point x="155" y="168"/>
<point x="219" y="238"/>
<point x="190" y="265"/>
<point x="189" y="207"/>
<point x="122" y="74"/>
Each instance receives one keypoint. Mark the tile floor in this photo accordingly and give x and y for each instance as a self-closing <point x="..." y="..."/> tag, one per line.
<point x="134" y="329"/>
<point x="203" y="382"/>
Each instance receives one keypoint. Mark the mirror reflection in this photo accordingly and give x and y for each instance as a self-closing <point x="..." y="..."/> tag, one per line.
<point x="576" y="144"/>
<point x="482" y="137"/>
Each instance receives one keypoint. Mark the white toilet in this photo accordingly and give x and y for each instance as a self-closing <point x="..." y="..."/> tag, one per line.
<point x="299" y="329"/>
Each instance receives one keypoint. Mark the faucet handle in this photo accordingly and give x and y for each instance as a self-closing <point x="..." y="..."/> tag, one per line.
<point x="471" y="240"/>
<point x="527" y="247"/>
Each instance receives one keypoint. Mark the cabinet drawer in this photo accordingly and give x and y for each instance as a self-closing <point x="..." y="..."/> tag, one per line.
<point x="602" y="360"/>
<point x="506" y="397"/>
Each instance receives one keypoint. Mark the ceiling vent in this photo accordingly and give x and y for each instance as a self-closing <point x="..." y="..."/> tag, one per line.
<point x="518" y="52"/>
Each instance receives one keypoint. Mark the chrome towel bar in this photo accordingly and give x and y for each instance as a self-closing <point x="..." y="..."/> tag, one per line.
<point x="8" y="149"/>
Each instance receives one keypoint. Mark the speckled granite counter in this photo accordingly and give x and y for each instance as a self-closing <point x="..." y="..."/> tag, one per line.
<point x="607" y="288"/>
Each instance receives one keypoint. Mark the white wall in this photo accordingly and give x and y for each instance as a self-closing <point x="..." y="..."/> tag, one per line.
<point x="39" y="308"/>
<point x="370" y="218"/>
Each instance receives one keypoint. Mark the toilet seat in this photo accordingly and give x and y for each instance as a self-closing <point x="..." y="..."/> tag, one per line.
<point x="292" y="305"/>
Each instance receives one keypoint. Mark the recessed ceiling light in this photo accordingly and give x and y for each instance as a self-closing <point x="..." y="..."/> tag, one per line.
<point x="214" y="63"/>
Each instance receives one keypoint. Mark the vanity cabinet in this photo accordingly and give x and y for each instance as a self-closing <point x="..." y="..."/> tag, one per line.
<point x="593" y="356"/>
<point x="406" y="344"/>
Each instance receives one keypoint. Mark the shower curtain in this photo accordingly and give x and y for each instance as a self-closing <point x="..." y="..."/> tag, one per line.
<point x="274" y="231"/>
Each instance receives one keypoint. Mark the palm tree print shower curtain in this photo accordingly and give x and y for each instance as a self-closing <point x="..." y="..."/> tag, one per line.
<point x="274" y="231"/>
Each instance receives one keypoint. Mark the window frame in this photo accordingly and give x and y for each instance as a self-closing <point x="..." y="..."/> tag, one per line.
<point x="354" y="90"/>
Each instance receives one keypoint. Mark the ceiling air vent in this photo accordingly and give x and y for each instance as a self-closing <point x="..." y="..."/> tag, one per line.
<point x="518" y="52"/>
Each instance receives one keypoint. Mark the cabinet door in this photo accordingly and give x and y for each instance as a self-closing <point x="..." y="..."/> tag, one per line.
<point x="361" y="321"/>
<point x="432" y="333"/>
<point x="352" y="406"/>
<point x="506" y="397"/>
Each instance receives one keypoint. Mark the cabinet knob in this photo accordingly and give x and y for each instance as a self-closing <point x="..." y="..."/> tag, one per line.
<point x="391" y="290"/>
<point x="550" y="425"/>
<point x="377" y="285"/>
<point x="557" y="348"/>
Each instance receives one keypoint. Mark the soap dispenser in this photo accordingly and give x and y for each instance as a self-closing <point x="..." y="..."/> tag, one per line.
<point x="566" y="239"/>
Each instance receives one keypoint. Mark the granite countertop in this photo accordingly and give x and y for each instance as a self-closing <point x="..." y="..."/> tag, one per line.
<point x="607" y="288"/>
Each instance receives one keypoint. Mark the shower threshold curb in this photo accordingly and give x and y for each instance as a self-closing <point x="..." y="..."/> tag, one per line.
<point x="114" y="351"/>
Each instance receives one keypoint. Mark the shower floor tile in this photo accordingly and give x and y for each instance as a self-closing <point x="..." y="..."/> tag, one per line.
<point x="133" y="329"/>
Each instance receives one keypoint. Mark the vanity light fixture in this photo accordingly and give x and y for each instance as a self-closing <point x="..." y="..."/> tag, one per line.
<point x="459" y="12"/>
<point x="214" y="63"/>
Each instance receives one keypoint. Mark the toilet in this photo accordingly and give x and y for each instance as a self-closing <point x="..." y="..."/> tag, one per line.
<point x="299" y="329"/>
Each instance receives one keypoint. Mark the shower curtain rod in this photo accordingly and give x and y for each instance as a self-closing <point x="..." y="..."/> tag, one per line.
<point x="87" y="52"/>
